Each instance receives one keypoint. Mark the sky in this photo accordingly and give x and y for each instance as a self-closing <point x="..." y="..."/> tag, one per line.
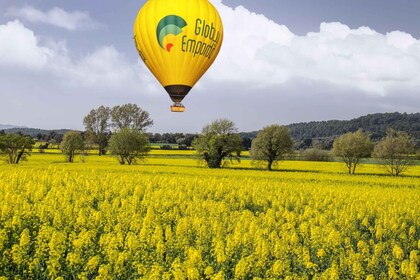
<point x="281" y="62"/>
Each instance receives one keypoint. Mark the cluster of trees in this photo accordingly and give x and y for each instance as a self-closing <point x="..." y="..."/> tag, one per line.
<point x="101" y="122"/>
<point x="173" y="138"/>
<point x="395" y="151"/>
<point x="121" y="130"/>
<point x="219" y="143"/>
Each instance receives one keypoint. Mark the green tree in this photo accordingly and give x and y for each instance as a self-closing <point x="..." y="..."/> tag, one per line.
<point x="15" y="147"/>
<point x="395" y="152"/>
<point x="352" y="147"/>
<point x="271" y="144"/>
<point x="218" y="141"/>
<point x="71" y="144"/>
<point x="128" y="145"/>
<point x="97" y="124"/>
<point x="130" y="116"/>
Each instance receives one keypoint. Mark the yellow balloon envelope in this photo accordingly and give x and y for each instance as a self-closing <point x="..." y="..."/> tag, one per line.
<point x="178" y="40"/>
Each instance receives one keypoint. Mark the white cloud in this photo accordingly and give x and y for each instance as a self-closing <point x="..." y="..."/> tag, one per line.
<point x="19" y="47"/>
<point x="261" y="53"/>
<point x="23" y="55"/>
<point x="56" y="16"/>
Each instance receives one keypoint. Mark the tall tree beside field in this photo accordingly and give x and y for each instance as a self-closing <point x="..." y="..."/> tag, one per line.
<point x="15" y="147"/>
<point x="270" y="145"/>
<point x="130" y="116"/>
<point x="71" y="144"/>
<point x="352" y="147"/>
<point x="395" y="152"/>
<point x="128" y="145"/>
<point x="218" y="141"/>
<point x="97" y="124"/>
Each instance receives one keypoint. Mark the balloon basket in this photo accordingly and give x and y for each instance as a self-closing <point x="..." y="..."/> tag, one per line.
<point x="177" y="108"/>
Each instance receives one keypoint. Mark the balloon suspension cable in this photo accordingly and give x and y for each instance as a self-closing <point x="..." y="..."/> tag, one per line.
<point x="177" y="107"/>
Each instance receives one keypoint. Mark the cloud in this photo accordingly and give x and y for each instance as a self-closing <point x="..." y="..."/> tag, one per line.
<point x="262" y="53"/>
<point x="58" y="17"/>
<point x="19" y="47"/>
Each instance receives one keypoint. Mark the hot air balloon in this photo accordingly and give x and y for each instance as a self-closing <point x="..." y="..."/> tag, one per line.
<point x="178" y="40"/>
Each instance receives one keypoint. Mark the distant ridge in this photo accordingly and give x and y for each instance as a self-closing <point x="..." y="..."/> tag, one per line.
<point x="33" y="132"/>
<point x="9" y="126"/>
<point x="376" y="124"/>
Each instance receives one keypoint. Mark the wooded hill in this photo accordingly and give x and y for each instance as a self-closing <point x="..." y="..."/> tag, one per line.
<point x="376" y="124"/>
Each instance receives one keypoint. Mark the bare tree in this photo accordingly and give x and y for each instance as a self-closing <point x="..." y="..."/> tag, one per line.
<point x="97" y="126"/>
<point x="130" y="116"/>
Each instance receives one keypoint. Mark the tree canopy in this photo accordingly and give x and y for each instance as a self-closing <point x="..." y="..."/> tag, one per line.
<point x="129" y="145"/>
<point x="72" y="143"/>
<point x="352" y="147"/>
<point x="130" y="116"/>
<point x="97" y="124"/>
<point x="395" y="152"/>
<point x="271" y="143"/>
<point x="15" y="147"/>
<point x="217" y="142"/>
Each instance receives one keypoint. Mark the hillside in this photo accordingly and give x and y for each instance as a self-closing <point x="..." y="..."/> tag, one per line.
<point x="376" y="124"/>
<point x="33" y="132"/>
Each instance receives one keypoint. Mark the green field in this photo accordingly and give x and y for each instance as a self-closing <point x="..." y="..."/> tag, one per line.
<point x="170" y="217"/>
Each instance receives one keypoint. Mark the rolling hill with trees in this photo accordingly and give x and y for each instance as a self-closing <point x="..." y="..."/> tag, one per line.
<point x="324" y="132"/>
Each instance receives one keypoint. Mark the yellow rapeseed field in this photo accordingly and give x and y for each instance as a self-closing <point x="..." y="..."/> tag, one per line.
<point x="172" y="218"/>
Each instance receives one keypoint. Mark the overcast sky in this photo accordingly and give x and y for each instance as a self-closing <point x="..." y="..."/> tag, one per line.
<point x="281" y="62"/>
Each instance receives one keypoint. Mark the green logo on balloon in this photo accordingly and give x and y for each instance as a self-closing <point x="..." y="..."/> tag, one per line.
<point x="169" y="25"/>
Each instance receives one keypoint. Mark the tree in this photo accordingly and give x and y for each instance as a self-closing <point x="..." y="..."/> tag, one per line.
<point x="271" y="144"/>
<point x="97" y="124"/>
<point x="395" y="152"/>
<point x="130" y="116"/>
<point x="352" y="147"/>
<point x="72" y="143"/>
<point x="15" y="147"/>
<point x="128" y="145"/>
<point x="217" y="142"/>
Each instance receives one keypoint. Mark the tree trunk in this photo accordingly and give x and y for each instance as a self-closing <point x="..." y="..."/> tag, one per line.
<point x="270" y="163"/>
<point x="214" y="162"/>
<point x="71" y="156"/>
<point x="19" y="156"/>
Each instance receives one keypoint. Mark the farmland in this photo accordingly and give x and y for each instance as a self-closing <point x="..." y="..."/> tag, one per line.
<point x="171" y="218"/>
